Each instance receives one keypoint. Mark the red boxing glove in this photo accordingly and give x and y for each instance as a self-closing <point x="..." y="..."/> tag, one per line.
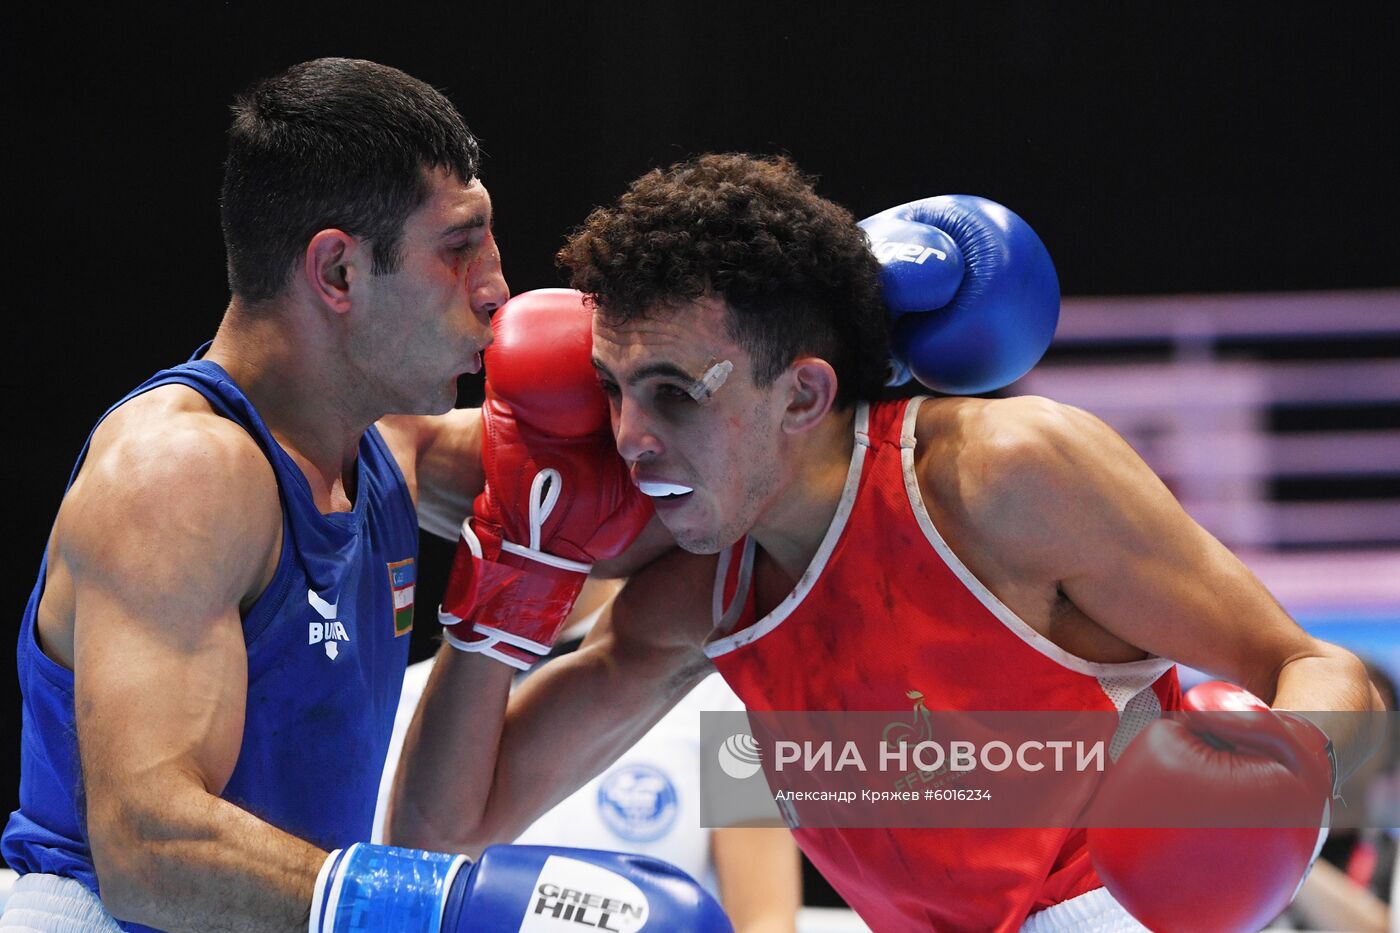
<point x="1243" y="765"/>
<point x="558" y="496"/>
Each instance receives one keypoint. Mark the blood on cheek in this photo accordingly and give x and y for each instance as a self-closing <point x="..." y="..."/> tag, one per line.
<point x="460" y="263"/>
<point x="463" y="259"/>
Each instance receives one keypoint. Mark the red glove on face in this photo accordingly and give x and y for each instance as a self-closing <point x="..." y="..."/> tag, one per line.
<point x="1217" y="768"/>
<point x="558" y="496"/>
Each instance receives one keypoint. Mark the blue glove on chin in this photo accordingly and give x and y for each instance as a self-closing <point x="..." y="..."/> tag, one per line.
<point x="971" y="292"/>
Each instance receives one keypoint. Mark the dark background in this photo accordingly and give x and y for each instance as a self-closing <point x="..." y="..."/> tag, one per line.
<point x="1179" y="147"/>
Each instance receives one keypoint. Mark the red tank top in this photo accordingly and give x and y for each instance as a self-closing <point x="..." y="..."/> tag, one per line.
<point x="884" y="609"/>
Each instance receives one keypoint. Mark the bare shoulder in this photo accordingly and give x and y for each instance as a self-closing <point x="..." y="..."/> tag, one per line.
<point x="410" y="437"/>
<point x="168" y="483"/>
<point x="1021" y="470"/>
<point x="973" y="448"/>
<point x="440" y="458"/>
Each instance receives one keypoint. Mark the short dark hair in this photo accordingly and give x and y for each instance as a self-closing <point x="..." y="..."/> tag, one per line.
<point x="333" y="142"/>
<point x="795" y="270"/>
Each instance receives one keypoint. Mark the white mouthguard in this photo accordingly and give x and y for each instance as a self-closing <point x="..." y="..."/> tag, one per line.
<point x="657" y="490"/>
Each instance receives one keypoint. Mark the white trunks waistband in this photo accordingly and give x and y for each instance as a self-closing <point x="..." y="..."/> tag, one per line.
<point x="53" y="904"/>
<point x="1091" y="912"/>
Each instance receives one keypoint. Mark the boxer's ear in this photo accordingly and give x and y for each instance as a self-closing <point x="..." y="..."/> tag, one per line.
<point x="811" y="392"/>
<point x="331" y="265"/>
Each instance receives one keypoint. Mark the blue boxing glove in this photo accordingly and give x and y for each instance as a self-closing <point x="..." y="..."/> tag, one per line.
<point x="510" y="889"/>
<point x="971" y="292"/>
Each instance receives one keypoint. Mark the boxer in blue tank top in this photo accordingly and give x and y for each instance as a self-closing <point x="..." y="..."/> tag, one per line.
<point x="325" y="658"/>
<point x="215" y="645"/>
<point x="214" y="648"/>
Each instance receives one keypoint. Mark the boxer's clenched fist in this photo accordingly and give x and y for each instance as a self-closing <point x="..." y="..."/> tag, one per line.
<point x="558" y="497"/>
<point x="1240" y="759"/>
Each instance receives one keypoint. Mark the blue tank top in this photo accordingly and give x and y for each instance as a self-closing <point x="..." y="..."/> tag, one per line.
<point x="327" y="649"/>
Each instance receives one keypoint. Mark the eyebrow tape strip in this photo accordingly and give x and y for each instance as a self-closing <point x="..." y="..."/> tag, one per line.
<point x="708" y="384"/>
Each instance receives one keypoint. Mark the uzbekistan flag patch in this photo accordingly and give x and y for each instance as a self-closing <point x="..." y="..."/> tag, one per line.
<point x="402" y="576"/>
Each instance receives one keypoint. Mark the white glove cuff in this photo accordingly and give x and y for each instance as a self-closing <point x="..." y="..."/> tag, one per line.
<point x="488" y="647"/>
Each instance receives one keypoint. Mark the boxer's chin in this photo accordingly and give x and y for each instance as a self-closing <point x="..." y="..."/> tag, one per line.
<point x="690" y="536"/>
<point x="696" y="527"/>
<point x="699" y="545"/>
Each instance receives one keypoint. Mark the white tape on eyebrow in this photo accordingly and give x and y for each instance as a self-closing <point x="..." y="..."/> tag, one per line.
<point x="710" y="383"/>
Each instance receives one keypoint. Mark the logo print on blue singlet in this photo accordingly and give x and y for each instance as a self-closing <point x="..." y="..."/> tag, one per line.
<point x="330" y="632"/>
<point x="638" y="802"/>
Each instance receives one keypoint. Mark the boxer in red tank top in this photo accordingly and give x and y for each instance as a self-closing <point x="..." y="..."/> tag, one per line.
<point x="935" y="629"/>
<point x="836" y="552"/>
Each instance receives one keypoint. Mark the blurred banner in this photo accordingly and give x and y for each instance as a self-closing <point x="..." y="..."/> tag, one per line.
<point x="930" y="768"/>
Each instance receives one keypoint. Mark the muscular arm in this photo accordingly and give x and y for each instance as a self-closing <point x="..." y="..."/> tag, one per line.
<point x="1073" y="506"/>
<point x="161" y="539"/>
<point x="760" y="878"/>
<point x="468" y="780"/>
<point x="440" y="456"/>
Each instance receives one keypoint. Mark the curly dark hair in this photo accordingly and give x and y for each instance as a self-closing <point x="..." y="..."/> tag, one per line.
<point x="794" y="269"/>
